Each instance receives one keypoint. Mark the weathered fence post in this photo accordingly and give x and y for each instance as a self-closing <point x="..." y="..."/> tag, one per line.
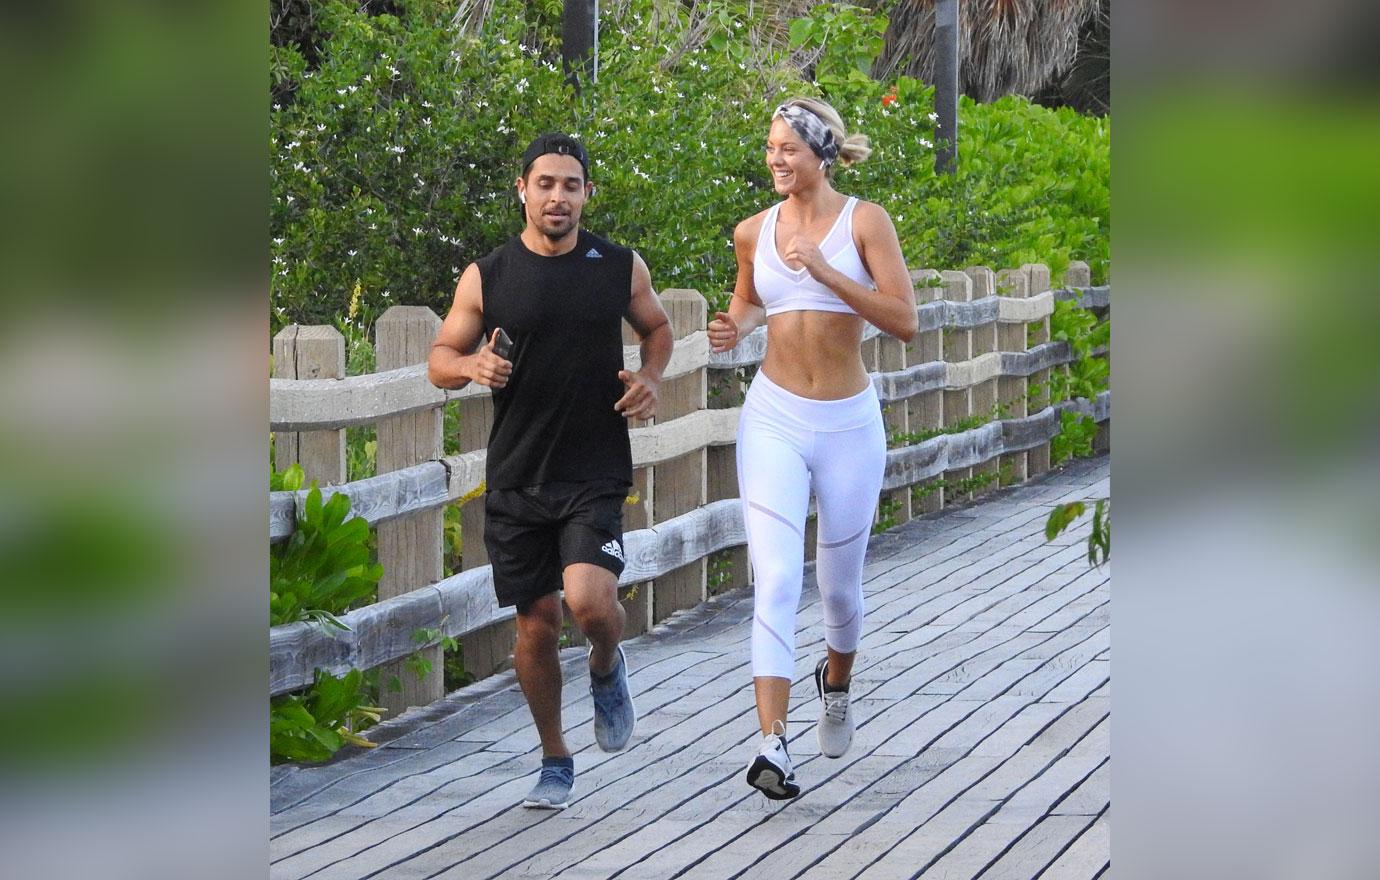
<point x="1037" y="282"/>
<point x="678" y="485"/>
<point x="925" y="411"/>
<point x="1012" y="389"/>
<point x="721" y="481"/>
<point x="892" y="357"/>
<point x="485" y="650"/>
<point x="310" y="353"/>
<point x="637" y="514"/>
<point x="410" y="548"/>
<point x="1079" y="275"/>
<point x="958" y="349"/>
<point x="984" y="393"/>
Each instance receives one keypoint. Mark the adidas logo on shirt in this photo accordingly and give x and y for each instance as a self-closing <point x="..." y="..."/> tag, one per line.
<point x="613" y="549"/>
<point x="593" y="254"/>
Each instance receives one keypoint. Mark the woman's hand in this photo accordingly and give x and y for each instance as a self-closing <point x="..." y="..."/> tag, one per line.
<point x="802" y="250"/>
<point x="723" y="333"/>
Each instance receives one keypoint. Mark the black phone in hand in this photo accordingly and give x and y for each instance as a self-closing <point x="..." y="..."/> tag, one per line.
<point x="503" y="345"/>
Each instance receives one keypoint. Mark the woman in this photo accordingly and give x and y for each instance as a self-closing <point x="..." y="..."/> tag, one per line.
<point x="815" y="267"/>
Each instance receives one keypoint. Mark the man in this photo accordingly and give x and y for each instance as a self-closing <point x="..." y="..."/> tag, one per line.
<point x="559" y="463"/>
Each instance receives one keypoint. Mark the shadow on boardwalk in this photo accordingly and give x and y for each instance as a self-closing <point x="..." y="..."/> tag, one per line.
<point x="982" y="694"/>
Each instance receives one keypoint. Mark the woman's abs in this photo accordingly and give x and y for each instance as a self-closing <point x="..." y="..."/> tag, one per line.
<point x="816" y="354"/>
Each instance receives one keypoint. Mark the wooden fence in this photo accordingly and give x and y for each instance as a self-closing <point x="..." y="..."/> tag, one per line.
<point x="956" y="402"/>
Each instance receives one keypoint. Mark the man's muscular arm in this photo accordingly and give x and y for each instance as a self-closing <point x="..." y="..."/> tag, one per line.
<point x="653" y="328"/>
<point x="451" y="363"/>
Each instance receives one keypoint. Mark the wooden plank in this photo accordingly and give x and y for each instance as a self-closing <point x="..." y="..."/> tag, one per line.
<point x="409" y="549"/>
<point x="991" y="580"/>
<point x="410" y="490"/>
<point x="315" y="400"/>
<point x="680" y="482"/>
<point x="1087" y="857"/>
<point x="310" y="354"/>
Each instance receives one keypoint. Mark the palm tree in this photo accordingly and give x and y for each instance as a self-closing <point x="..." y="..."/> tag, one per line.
<point x="1005" y="46"/>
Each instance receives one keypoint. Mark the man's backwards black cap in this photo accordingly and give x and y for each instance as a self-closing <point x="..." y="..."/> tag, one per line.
<point x="563" y="144"/>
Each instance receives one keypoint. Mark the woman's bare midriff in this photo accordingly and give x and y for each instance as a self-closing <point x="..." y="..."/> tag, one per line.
<point x="816" y="354"/>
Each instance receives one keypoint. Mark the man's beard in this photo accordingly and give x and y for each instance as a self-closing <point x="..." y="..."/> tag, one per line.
<point x="555" y="230"/>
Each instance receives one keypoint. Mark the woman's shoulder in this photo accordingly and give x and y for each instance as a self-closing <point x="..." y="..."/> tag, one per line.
<point x="870" y="216"/>
<point x="745" y="233"/>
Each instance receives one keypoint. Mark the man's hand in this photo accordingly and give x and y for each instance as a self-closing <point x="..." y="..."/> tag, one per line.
<point x="639" y="401"/>
<point x="488" y="368"/>
<point x="723" y="333"/>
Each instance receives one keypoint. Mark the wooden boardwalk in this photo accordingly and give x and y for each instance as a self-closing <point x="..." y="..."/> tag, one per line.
<point x="982" y="695"/>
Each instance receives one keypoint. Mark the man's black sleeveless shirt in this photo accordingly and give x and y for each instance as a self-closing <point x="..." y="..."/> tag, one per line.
<point x="554" y="422"/>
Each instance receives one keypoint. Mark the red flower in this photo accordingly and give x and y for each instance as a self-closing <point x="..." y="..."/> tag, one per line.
<point x="889" y="98"/>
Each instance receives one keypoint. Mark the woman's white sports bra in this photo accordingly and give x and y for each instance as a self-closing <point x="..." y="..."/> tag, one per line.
<point x="783" y="289"/>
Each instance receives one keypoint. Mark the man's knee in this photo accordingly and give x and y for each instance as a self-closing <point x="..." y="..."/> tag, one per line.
<point x="592" y="594"/>
<point x="539" y="621"/>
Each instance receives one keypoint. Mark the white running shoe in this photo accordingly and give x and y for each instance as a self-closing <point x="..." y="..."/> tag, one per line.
<point x="771" y="771"/>
<point x="835" y="726"/>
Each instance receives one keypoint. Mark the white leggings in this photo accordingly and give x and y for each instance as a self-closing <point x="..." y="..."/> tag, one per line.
<point x="787" y="446"/>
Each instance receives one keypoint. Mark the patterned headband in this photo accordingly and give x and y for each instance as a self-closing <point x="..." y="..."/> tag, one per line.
<point x="812" y="130"/>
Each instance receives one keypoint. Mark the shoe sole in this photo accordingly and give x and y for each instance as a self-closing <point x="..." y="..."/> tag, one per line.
<point x="766" y="778"/>
<point x="544" y="804"/>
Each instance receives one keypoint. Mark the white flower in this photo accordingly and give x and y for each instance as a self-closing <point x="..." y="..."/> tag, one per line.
<point x="926" y="144"/>
<point x="352" y="253"/>
<point x="278" y="241"/>
<point x="340" y="91"/>
<point x="521" y="85"/>
<point x="416" y="230"/>
<point x="933" y="117"/>
<point x="394" y="71"/>
<point x="397" y="148"/>
<point x="291" y="199"/>
<point x="320" y="127"/>
<point x="455" y="270"/>
<point x="426" y="120"/>
<point x="368" y="78"/>
<point x="354" y="89"/>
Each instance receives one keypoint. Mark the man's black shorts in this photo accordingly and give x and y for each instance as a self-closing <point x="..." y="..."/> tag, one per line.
<point x="534" y="532"/>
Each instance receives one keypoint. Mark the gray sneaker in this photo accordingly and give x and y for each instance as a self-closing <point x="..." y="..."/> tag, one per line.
<point x="552" y="791"/>
<point x="614" y="713"/>
<point x="835" y="726"/>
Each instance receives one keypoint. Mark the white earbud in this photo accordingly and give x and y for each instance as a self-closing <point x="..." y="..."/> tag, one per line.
<point x="522" y="197"/>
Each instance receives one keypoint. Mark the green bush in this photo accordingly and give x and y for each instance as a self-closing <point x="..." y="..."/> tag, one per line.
<point x="393" y="158"/>
<point x="323" y="569"/>
<point x="314" y="725"/>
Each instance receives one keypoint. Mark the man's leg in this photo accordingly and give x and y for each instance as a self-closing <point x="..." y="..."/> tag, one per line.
<point x="592" y="594"/>
<point x="537" y="658"/>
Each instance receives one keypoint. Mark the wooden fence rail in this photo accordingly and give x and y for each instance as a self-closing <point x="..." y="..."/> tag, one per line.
<point x="980" y="342"/>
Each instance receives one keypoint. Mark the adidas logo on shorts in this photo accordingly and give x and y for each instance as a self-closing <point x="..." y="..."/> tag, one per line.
<point x="613" y="549"/>
<point x="593" y="254"/>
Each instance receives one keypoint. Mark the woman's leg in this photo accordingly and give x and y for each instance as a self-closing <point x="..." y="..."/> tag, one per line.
<point x="848" y="467"/>
<point x="775" y="489"/>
